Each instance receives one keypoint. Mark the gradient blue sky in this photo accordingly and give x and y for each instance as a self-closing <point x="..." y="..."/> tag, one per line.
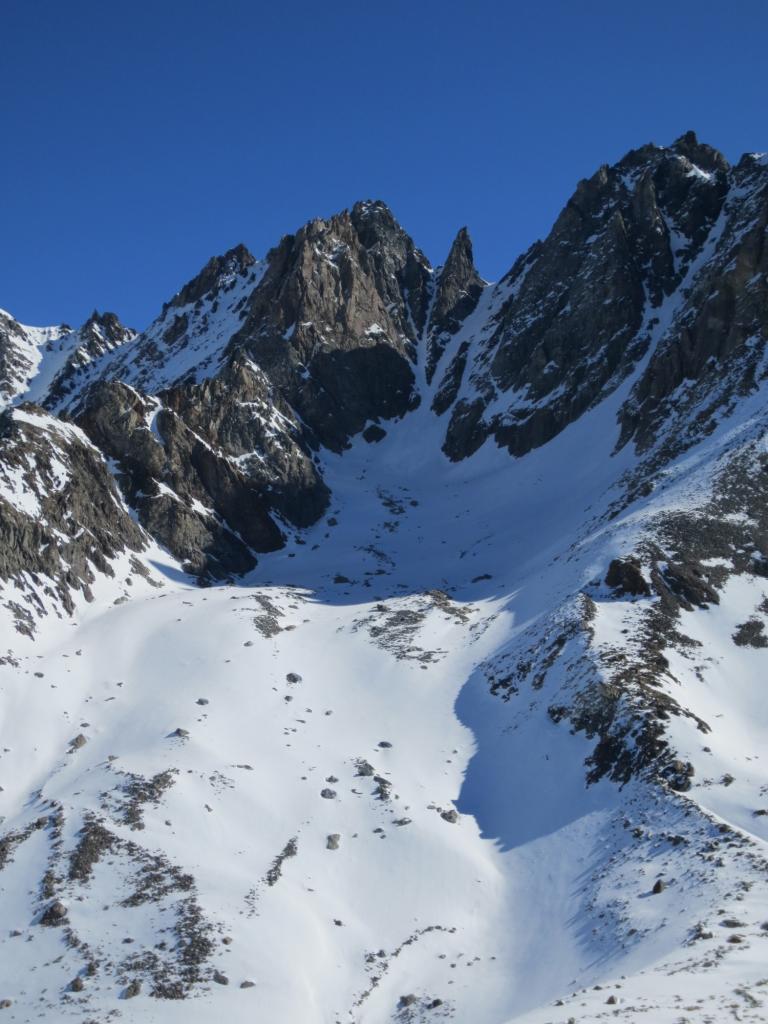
<point x="138" y="139"/>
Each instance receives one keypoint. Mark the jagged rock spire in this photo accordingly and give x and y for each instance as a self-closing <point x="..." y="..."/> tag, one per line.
<point x="699" y="153"/>
<point x="458" y="289"/>
<point x="234" y="262"/>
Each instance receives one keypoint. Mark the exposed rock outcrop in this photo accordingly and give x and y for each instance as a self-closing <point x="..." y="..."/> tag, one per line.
<point x="62" y="518"/>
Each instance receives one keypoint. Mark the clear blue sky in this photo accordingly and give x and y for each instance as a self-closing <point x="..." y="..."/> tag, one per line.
<point x="139" y="138"/>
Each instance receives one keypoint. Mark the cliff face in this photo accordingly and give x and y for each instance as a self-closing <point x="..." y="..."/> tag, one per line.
<point x="632" y="259"/>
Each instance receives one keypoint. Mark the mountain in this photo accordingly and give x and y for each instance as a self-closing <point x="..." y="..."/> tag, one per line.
<point x="381" y="644"/>
<point x="38" y="361"/>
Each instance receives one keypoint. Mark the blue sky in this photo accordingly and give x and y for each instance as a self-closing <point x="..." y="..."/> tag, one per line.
<point x="140" y="138"/>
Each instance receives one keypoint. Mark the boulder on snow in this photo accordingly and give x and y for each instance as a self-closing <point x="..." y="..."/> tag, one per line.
<point x="54" y="914"/>
<point x="624" y="576"/>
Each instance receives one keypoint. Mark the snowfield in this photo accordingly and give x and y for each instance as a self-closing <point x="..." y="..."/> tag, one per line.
<point x="307" y="777"/>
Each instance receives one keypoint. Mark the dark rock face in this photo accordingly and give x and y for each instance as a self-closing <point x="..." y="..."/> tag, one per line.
<point x="241" y="414"/>
<point x="374" y="434"/>
<point x="61" y="515"/>
<point x="187" y="493"/>
<point x="458" y="290"/>
<point x="626" y="577"/>
<point x="448" y="390"/>
<point x="577" y="311"/>
<point x="688" y="582"/>
<point x="335" y="321"/>
<point x="713" y="352"/>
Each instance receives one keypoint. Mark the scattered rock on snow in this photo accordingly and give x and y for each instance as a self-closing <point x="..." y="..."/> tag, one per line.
<point x="133" y="989"/>
<point x="54" y="914"/>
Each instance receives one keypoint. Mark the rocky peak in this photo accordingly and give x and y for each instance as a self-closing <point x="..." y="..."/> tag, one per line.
<point x="457" y="291"/>
<point x="333" y="272"/>
<point x="576" y="312"/>
<point x="335" y="320"/>
<point x="382" y="236"/>
<point x="714" y="350"/>
<point x="218" y="272"/>
<point x="100" y="335"/>
<point x="106" y="326"/>
<point x="36" y="362"/>
<point x="374" y="222"/>
<point x="699" y="153"/>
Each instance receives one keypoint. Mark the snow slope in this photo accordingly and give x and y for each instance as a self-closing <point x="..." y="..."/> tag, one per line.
<point x="390" y="612"/>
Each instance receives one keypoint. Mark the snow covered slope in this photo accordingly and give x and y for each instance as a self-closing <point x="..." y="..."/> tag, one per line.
<point x="480" y="740"/>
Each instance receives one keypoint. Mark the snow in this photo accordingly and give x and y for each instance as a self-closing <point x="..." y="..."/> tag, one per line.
<point x="526" y="898"/>
<point x="41" y="351"/>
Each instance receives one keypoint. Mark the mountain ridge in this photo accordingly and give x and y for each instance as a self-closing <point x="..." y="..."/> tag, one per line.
<point x="471" y="690"/>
